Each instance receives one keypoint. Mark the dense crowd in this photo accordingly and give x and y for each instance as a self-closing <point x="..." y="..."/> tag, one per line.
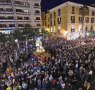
<point x="70" y="67"/>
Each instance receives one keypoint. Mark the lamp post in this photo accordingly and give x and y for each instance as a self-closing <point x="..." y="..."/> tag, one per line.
<point x="16" y="53"/>
<point x="26" y="43"/>
<point x="17" y="43"/>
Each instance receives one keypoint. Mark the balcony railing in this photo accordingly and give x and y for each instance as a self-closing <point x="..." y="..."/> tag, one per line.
<point x="21" y="27"/>
<point x="24" y="20"/>
<point x="5" y="12"/>
<point x="6" y="28"/>
<point x="80" y="21"/>
<point x="18" y="5"/>
<point x="5" y="3"/>
<point x="6" y="20"/>
<point x="36" y="13"/>
<point x="23" y="13"/>
<point x="38" y="20"/>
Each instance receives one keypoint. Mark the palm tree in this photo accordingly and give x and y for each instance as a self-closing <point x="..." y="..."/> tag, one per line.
<point x="84" y="10"/>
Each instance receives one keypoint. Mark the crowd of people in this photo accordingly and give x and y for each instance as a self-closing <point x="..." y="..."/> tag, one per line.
<point x="70" y="67"/>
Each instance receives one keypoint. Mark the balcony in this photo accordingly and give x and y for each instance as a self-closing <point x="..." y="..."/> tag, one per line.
<point x="37" y="13"/>
<point x="23" y="13"/>
<point x="7" y="28"/>
<point x="5" y="3"/>
<point x="22" y="4"/>
<point x="24" y="20"/>
<point x="36" y="20"/>
<point x="72" y="21"/>
<point x="80" y="21"/>
<point x="6" y="20"/>
<point x="18" y="5"/>
<point x="5" y="12"/>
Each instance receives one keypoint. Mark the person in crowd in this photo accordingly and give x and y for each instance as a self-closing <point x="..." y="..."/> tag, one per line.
<point x="70" y="67"/>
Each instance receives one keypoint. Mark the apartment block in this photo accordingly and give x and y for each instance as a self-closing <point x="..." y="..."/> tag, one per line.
<point x="69" y="21"/>
<point x="16" y="14"/>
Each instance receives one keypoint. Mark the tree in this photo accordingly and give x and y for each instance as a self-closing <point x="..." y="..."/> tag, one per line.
<point x="91" y="32"/>
<point x="3" y="37"/>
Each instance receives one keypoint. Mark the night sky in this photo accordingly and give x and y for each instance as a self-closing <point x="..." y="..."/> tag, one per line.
<point x="48" y="4"/>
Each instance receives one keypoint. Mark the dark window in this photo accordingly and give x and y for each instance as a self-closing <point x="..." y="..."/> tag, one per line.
<point x="19" y="18"/>
<point x="37" y="18"/>
<point x="37" y="4"/>
<point x="46" y="24"/>
<point x="92" y="20"/>
<point x="72" y="30"/>
<point x="59" y="20"/>
<point x="19" y="10"/>
<point x="93" y="13"/>
<point x="38" y="24"/>
<point x="1" y="9"/>
<point x="26" y="4"/>
<point x="72" y="19"/>
<point x="80" y="19"/>
<point x="3" y="25"/>
<point x="10" y="17"/>
<point x="18" y="2"/>
<point x="37" y="11"/>
<point x="59" y="12"/>
<point x="73" y="10"/>
<point x="50" y="16"/>
<point x="87" y="20"/>
<point x="91" y="27"/>
<point x="50" y="23"/>
<point x="54" y="15"/>
<point x="27" y="25"/>
<point x="5" y="1"/>
<point x="86" y="29"/>
<point x="54" y="22"/>
<point x="9" y="9"/>
<point x="20" y="25"/>
<point x="2" y="17"/>
<point x="26" y="18"/>
<point x="11" y="25"/>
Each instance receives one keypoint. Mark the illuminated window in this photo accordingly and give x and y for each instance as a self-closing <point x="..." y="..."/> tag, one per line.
<point x="80" y="19"/>
<point x="87" y="20"/>
<point x="72" y="19"/>
<point x="59" y="20"/>
<point x="92" y="20"/>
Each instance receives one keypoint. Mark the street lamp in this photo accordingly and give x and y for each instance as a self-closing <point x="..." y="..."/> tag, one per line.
<point x="26" y="43"/>
<point x="16" y="40"/>
<point x="40" y="30"/>
<point x="66" y="34"/>
<point x="16" y="54"/>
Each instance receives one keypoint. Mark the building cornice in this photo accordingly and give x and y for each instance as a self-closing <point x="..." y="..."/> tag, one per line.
<point x="69" y="3"/>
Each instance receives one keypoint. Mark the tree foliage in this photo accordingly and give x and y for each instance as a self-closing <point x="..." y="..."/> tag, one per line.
<point x="23" y="34"/>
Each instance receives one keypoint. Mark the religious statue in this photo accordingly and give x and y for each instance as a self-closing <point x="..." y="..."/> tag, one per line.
<point x="39" y="47"/>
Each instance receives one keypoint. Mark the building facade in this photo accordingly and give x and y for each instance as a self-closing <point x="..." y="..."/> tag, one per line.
<point x="16" y="14"/>
<point x="69" y="21"/>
